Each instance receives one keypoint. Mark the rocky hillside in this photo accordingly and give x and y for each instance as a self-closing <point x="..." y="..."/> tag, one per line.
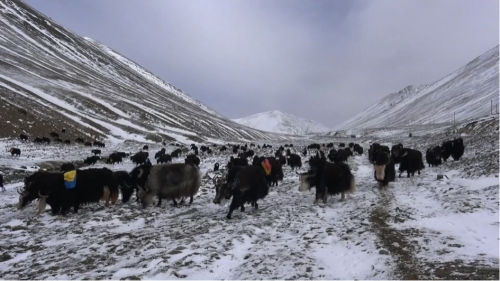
<point x="467" y="93"/>
<point x="51" y="78"/>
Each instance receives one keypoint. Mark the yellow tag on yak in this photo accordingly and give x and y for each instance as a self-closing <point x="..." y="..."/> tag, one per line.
<point x="70" y="176"/>
<point x="267" y="167"/>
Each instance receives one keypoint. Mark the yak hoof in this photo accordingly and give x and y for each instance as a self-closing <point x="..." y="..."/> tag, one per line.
<point x="242" y="208"/>
<point x="228" y="217"/>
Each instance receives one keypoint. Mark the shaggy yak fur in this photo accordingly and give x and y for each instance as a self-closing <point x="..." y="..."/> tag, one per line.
<point x="165" y="158"/>
<point x="411" y="162"/>
<point x="458" y="149"/>
<point x="249" y="185"/>
<point x="433" y="156"/>
<point x="276" y="169"/>
<point x="385" y="171"/>
<point x="167" y="181"/>
<point x="92" y="185"/>
<point x="15" y="151"/>
<point x="294" y="161"/>
<point x="328" y="178"/>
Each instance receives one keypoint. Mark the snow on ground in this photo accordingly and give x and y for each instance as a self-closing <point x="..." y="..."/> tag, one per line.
<point x="419" y="228"/>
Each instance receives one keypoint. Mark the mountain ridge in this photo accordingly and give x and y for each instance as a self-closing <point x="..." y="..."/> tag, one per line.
<point x="63" y="80"/>
<point x="465" y="93"/>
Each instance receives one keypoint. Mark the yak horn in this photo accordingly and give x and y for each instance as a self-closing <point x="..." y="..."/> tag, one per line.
<point x="41" y="196"/>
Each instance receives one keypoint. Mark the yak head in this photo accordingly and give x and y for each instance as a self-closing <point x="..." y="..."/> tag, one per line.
<point x="124" y="181"/>
<point x="306" y="181"/>
<point x="222" y="190"/>
<point x="31" y="192"/>
<point x="381" y="159"/>
<point x="396" y="150"/>
<point x="138" y="177"/>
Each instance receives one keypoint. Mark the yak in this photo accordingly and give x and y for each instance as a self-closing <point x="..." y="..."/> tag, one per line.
<point x="91" y="160"/>
<point x="1" y="183"/>
<point x="328" y="178"/>
<point x="15" y="151"/>
<point x="114" y="158"/>
<point x="385" y="171"/>
<point x="411" y="162"/>
<point x="458" y="149"/>
<point x="92" y="185"/>
<point x="192" y="159"/>
<point x="433" y="156"/>
<point x="23" y="137"/>
<point x="96" y="151"/>
<point x="167" y="181"/>
<point x="248" y="183"/>
<point x="294" y="161"/>
<point x="165" y="158"/>
<point x="276" y="173"/>
<point x="139" y="158"/>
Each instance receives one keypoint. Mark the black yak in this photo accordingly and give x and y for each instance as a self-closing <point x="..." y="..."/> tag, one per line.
<point x="294" y="161"/>
<point x="458" y="149"/>
<point x="139" y="158"/>
<point x="1" y="183"/>
<point x="54" y="135"/>
<point x="15" y="151"/>
<point x="396" y="152"/>
<point x="446" y="150"/>
<point x="165" y="158"/>
<point x="237" y="162"/>
<point x="96" y="151"/>
<point x="167" y="181"/>
<point x="273" y="175"/>
<point x="433" y="156"/>
<point x="358" y="149"/>
<point x="411" y="162"/>
<point x="192" y="159"/>
<point x="92" y="185"/>
<point x="176" y="153"/>
<point x="114" y="158"/>
<point x="384" y="169"/>
<point x="328" y="178"/>
<point x="248" y="185"/>
<point x="23" y="137"/>
<point x="91" y="160"/>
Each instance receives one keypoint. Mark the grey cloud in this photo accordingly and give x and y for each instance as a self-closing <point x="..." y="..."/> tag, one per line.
<point x="322" y="60"/>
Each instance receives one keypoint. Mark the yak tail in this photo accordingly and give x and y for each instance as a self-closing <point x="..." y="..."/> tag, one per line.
<point x="352" y="187"/>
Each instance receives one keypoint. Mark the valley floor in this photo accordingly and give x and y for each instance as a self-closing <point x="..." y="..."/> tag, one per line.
<point x="419" y="228"/>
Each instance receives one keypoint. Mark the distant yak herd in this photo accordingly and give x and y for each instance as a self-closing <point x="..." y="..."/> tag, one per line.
<point x="246" y="178"/>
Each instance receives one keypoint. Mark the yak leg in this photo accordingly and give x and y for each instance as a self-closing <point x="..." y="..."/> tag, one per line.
<point x="242" y="208"/>
<point x="419" y="172"/>
<point x="400" y="174"/>
<point x="106" y="195"/>
<point x="175" y="202"/>
<point x="325" y="196"/>
<point x="114" y="197"/>
<point x="191" y="199"/>
<point x="42" y="203"/>
<point x="256" y="206"/>
<point x="182" y="201"/>
<point x="342" y="196"/>
<point x="408" y="174"/>
<point x="159" y="202"/>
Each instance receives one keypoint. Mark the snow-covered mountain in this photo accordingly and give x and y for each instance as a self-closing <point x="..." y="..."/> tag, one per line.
<point x="279" y="122"/>
<point x="51" y="78"/>
<point x="467" y="93"/>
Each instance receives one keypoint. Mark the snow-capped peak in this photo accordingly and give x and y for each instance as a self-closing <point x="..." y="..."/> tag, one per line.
<point x="280" y="122"/>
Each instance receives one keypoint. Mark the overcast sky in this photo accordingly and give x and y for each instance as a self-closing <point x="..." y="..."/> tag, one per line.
<point x="320" y="60"/>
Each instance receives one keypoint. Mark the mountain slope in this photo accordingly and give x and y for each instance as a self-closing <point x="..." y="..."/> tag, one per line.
<point x="467" y="92"/>
<point x="279" y="122"/>
<point x="64" y="80"/>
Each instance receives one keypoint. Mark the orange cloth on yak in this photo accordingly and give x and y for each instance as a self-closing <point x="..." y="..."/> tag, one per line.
<point x="267" y="166"/>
